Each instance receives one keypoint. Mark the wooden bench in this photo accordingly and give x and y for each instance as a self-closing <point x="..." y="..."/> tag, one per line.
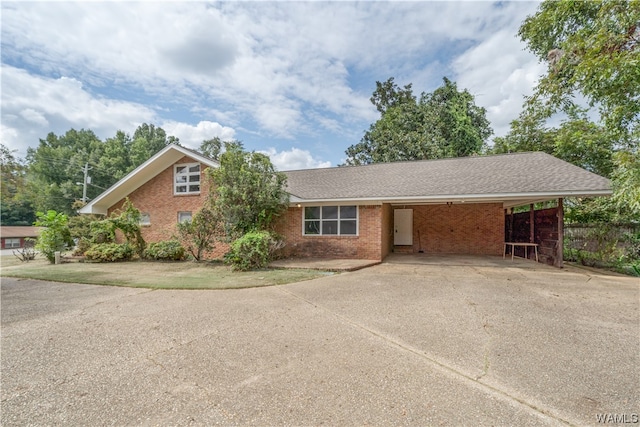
<point x="526" y="247"/>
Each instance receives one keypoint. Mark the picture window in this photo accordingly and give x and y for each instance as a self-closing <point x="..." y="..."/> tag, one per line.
<point x="330" y="221"/>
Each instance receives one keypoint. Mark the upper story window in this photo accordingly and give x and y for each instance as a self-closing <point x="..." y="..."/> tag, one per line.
<point x="331" y="220"/>
<point x="186" y="179"/>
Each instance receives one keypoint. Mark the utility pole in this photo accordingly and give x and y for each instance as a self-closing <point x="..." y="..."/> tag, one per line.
<point x="85" y="181"/>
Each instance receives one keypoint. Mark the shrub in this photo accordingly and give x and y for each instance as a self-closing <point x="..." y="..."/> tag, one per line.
<point x="27" y="253"/>
<point x="198" y="235"/>
<point x="110" y="252"/>
<point x="168" y="250"/>
<point x="252" y="251"/>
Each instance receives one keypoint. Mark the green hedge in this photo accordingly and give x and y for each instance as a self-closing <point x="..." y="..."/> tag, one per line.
<point x="168" y="250"/>
<point x="109" y="252"/>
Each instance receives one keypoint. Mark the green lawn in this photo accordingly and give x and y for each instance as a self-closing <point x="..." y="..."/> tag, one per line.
<point x="155" y="275"/>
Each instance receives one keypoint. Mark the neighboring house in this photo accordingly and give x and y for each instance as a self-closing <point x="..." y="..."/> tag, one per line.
<point x="13" y="237"/>
<point x="457" y="206"/>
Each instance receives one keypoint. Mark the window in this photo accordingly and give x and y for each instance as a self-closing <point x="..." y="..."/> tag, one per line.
<point x="331" y="220"/>
<point x="145" y="218"/>
<point x="184" y="216"/>
<point x="12" y="243"/>
<point x="187" y="179"/>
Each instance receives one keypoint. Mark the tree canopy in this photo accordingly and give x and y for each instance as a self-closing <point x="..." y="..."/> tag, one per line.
<point x="51" y="177"/>
<point x="591" y="48"/>
<point x="592" y="53"/>
<point x="444" y="123"/>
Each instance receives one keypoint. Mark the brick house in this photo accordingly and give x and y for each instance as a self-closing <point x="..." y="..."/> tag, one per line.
<point x="448" y="206"/>
<point x="14" y="237"/>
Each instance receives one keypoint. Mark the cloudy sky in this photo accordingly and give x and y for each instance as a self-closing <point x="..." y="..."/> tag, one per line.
<point x="292" y="79"/>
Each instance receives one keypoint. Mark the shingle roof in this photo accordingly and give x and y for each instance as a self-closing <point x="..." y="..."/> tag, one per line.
<point x="499" y="175"/>
<point x="19" y="231"/>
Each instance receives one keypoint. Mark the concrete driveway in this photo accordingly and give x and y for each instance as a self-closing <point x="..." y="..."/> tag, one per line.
<point x="400" y="343"/>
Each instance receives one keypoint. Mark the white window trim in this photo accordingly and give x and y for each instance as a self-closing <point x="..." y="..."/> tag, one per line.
<point x="176" y="184"/>
<point x="357" y="219"/>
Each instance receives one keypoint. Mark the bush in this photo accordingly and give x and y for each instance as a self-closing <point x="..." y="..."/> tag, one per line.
<point x="109" y="252"/>
<point x="168" y="250"/>
<point x="252" y="251"/>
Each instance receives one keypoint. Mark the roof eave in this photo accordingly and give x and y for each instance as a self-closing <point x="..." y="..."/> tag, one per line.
<point x="504" y="198"/>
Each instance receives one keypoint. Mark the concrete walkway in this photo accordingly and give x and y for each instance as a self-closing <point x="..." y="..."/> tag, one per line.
<point x="393" y="344"/>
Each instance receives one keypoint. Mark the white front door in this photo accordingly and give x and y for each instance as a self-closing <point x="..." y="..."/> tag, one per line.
<point x="403" y="227"/>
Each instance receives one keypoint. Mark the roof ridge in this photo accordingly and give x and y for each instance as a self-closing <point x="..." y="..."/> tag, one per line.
<point x="379" y="164"/>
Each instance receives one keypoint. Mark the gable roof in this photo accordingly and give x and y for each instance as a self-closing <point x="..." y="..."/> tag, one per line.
<point x="513" y="179"/>
<point x="142" y="174"/>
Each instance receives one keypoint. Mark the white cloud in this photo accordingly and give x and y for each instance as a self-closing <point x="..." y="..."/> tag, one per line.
<point x="294" y="159"/>
<point x="499" y="72"/>
<point x="33" y="106"/>
<point x="192" y="136"/>
<point x="278" y="69"/>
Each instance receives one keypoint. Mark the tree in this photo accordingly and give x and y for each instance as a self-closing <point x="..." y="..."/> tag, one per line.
<point x="198" y="235"/>
<point x="445" y="123"/>
<point x="592" y="49"/>
<point x="211" y="148"/>
<point x="577" y="140"/>
<point x="246" y="191"/>
<point x="15" y="205"/>
<point x="147" y="141"/>
<point x="56" y="236"/>
<point x="592" y="52"/>
<point x="626" y="184"/>
<point x="56" y="167"/>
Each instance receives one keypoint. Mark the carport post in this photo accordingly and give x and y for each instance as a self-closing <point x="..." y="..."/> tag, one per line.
<point x="532" y="226"/>
<point x="559" y="258"/>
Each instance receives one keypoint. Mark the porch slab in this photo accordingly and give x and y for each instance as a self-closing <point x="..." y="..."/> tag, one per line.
<point x="454" y="260"/>
<point x="324" y="264"/>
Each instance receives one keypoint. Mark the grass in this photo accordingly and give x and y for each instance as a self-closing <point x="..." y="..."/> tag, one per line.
<point x="154" y="275"/>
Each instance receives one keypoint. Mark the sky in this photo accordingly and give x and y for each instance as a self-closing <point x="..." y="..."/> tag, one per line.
<point x="290" y="79"/>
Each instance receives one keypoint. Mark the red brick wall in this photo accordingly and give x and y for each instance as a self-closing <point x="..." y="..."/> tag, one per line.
<point x="157" y="199"/>
<point x="459" y="229"/>
<point x="367" y="245"/>
<point x="387" y="229"/>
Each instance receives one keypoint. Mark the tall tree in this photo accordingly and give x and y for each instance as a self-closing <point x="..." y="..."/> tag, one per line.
<point x="56" y="169"/>
<point x="247" y="191"/>
<point x="211" y="148"/>
<point x="592" y="49"/>
<point x="445" y="123"/>
<point x="147" y="141"/>
<point x="15" y="204"/>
